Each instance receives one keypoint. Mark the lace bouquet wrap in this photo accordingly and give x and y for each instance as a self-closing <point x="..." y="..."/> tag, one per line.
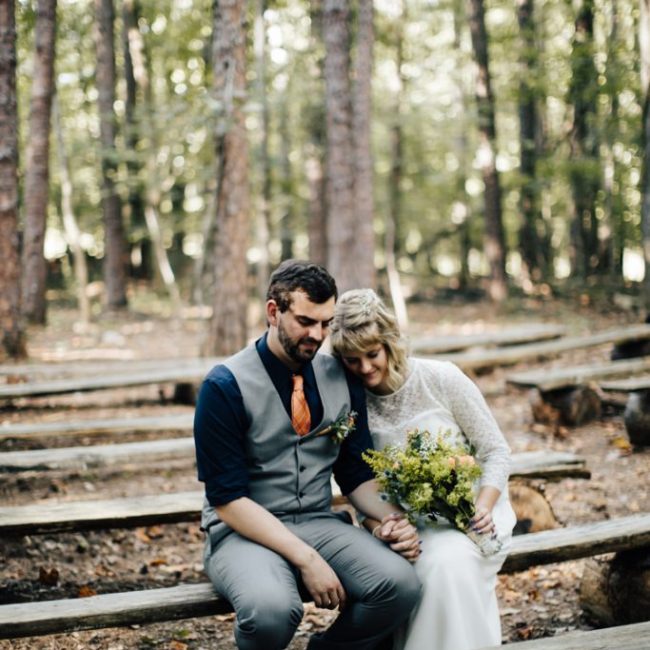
<point x="431" y="478"/>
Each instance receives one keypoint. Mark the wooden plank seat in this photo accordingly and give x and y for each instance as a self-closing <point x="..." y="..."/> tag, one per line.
<point x="503" y="337"/>
<point x="635" y="636"/>
<point x="125" y="379"/>
<point x="175" y="507"/>
<point x="485" y="359"/>
<point x="532" y="464"/>
<point x="190" y="600"/>
<point x="172" y="422"/>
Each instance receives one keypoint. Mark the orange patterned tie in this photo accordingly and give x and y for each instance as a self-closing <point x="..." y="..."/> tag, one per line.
<point x="300" y="417"/>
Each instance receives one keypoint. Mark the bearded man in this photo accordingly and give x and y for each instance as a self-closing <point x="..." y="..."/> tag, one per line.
<point x="272" y="424"/>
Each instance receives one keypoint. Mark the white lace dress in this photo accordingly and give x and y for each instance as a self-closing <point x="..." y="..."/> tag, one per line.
<point x="458" y="609"/>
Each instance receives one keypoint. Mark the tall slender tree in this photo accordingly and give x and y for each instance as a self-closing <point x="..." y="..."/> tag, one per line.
<point x="37" y="169"/>
<point x="227" y="329"/>
<point x="341" y="228"/>
<point x="495" y="249"/>
<point x="364" y="240"/>
<point x="12" y="336"/>
<point x="585" y="174"/>
<point x="644" y="45"/>
<point x="114" y="239"/>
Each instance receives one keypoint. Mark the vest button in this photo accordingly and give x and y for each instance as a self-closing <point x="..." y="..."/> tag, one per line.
<point x="302" y="468"/>
<point x="301" y="494"/>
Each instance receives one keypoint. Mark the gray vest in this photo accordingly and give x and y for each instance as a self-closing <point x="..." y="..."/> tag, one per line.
<point x="288" y="474"/>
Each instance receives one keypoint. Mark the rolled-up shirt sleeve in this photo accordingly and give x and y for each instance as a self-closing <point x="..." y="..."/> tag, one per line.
<point x="350" y="469"/>
<point x="220" y="423"/>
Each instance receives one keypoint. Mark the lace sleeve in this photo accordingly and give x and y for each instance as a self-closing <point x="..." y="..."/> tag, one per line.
<point x="471" y="412"/>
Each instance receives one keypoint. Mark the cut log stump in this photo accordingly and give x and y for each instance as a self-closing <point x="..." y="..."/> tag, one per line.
<point x="637" y="418"/>
<point x="616" y="591"/>
<point x="534" y="512"/>
<point x="571" y="406"/>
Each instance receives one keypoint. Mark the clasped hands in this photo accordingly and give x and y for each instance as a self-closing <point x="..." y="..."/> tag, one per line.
<point x="402" y="536"/>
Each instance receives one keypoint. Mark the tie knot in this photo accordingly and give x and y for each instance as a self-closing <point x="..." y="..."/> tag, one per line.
<point x="297" y="382"/>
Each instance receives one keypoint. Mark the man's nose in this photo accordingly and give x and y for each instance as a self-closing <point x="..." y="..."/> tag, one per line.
<point x="316" y="332"/>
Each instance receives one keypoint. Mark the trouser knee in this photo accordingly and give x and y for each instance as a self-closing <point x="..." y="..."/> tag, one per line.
<point x="267" y="627"/>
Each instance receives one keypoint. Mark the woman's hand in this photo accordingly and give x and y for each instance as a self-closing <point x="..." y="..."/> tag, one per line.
<point x="402" y="537"/>
<point x="482" y="522"/>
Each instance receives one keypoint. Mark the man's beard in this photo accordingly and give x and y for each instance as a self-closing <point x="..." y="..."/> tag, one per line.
<point x="292" y="347"/>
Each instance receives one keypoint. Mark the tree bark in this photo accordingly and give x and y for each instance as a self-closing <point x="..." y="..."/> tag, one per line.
<point x="584" y="141"/>
<point x="227" y="330"/>
<point x="70" y="226"/>
<point x="341" y="228"/>
<point x="644" y="46"/>
<point x="364" y="240"/>
<point x="495" y="249"/>
<point x="115" y="247"/>
<point x="37" y="169"/>
<point x="12" y="337"/>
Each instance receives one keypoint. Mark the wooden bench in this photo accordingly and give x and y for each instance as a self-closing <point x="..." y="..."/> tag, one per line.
<point x="503" y="337"/>
<point x="635" y="636"/>
<point x="190" y="600"/>
<point x="485" y="359"/>
<point x="173" y="422"/>
<point x="184" y="506"/>
<point x="567" y="394"/>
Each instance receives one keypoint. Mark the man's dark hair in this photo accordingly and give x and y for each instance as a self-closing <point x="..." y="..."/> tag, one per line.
<point x="300" y="275"/>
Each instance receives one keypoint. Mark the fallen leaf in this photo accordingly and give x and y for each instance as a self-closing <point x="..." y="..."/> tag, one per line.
<point x="49" y="577"/>
<point x="157" y="561"/>
<point x="85" y="591"/>
<point x="141" y="534"/>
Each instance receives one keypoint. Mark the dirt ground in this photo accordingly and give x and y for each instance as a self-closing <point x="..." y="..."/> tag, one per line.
<point x="543" y="601"/>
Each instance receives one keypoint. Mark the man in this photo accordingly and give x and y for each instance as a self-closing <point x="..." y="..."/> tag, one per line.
<point x="267" y="429"/>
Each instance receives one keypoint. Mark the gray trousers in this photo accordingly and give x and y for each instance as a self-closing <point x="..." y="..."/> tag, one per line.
<point x="265" y="590"/>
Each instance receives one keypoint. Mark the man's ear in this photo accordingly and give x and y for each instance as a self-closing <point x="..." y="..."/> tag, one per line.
<point x="272" y="311"/>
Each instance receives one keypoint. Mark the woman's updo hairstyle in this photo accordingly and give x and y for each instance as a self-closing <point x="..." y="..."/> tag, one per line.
<point x="362" y="321"/>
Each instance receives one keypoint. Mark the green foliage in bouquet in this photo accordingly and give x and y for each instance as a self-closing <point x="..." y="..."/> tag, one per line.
<point x="428" y="477"/>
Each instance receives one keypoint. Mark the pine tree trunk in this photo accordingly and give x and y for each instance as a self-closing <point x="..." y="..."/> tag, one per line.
<point x="70" y="226"/>
<point x="37" y="168"/>
<point x="228" y="324"/>
<point x="115" y="245"/>
<point x="12" y="338"/>
<point x="644" y="46"/>
<point x="341" y="228"/>
<point x="585" y="171"/>
<point x="494" y="238"/>
<point x="363" y="176"/>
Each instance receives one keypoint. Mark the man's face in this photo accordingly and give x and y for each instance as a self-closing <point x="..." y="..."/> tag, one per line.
<point x="302" y="328"/>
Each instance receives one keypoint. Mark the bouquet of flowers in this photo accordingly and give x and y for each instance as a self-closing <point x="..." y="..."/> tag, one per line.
<point x="430" y="478"/>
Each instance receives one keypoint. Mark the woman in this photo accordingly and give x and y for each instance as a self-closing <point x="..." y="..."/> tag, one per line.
<point x="458" y="609"/>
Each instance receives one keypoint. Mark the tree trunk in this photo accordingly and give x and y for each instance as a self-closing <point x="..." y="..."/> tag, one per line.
<point x="494" y="238"/>
<point x="12" y="338"/>
<point x="393" y="214"/>
<point x="364" y="254"/>
<point x="70" y="226"/>
<point x="288" y="216"/>
<point x="228" y="324"/>
<point x="644" y="46"/>
<point x="115" y="246"/>
<point x="264" y="213"/>
<point x="37" y="168"/>
<point x="341" y="228"/>
<point x="529" y="242"/>
<point x="585" y="170"/>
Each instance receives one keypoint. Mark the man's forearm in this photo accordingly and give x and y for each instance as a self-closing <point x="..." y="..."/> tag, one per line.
<point x="256" y="523"/>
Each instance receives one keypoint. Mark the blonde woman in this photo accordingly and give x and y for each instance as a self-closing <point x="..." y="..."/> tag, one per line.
<point x="458" y="609"/>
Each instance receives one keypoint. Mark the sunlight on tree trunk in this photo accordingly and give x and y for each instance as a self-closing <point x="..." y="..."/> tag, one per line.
<point x="12" y="341"/>
<point x="37" y="168"/>
<point x="70" y="226"/>
<point x="227" y="329"/>
<point x="115" y="242"/>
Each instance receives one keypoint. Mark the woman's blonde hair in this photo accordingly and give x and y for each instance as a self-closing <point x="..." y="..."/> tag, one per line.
<point x="361" y="321"/>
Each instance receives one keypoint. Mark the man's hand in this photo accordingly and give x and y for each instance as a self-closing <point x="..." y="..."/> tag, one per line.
<point x="321" y="582"/>
<point x="400" y="535"/>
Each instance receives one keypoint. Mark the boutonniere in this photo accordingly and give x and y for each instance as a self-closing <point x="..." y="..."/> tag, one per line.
<point x="341" y="428"/>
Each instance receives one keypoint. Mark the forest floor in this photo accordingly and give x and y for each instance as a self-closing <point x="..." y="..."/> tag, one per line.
<point x="542" y="601"/>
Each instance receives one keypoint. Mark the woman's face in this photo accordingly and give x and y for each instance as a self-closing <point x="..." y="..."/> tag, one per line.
<point x="371" y="366"/>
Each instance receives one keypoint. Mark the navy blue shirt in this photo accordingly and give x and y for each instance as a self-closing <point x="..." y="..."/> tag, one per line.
<point x="221" y="422"/>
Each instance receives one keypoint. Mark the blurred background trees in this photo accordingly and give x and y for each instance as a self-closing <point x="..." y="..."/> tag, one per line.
<point x="425" y="147"/>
